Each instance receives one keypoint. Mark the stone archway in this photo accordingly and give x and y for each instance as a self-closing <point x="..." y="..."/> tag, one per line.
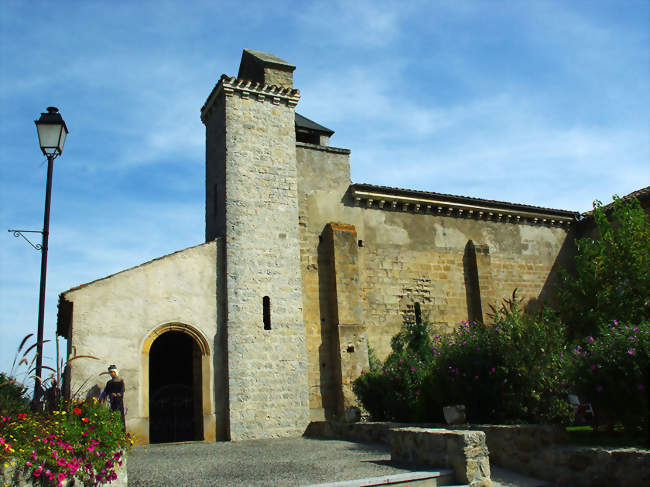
<point x="176" y="393"/>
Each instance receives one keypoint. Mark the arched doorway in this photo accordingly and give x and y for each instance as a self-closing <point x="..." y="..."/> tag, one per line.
<point x="175" y="396"/>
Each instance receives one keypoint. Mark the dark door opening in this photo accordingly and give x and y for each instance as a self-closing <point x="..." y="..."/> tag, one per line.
<point x="175" y="389"/>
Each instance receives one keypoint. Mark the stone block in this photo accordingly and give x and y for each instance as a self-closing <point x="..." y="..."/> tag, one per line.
<point x="464" y="451"/>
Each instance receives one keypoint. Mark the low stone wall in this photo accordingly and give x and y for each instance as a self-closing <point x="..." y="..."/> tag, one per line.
<point x="542" y="452"/>
<point x="361" y="432"/>
<point x="537" y="450"/>
<point x="464" y="451"/>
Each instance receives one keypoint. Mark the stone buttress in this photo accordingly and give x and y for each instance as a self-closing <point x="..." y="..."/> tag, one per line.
<point x="251" y="200"/>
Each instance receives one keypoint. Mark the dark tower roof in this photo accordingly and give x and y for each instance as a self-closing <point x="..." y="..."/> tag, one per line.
<point x="311" y="126"/>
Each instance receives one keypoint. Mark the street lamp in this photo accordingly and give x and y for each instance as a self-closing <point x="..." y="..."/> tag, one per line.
<point x="52" y="132"/>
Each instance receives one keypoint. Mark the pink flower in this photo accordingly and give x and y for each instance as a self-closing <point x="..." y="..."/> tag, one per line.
<point x="630" y="351"/>
<point x="590" y="339"/>
<point x="412" y="369"/>
<point x="600" y="389"/>
<point x="60" y="477"/>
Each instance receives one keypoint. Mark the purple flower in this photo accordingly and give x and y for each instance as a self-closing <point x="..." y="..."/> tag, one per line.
<point x="631" y="351"/>
<point x="493" y="370"/>
<point x="640" y="387"/>
<point x="590" y="339"/>
<point x="615" y="323"/>
<point x="593" y="367"/>
<point x="599" y="389"/>
<point x="412" y="369"/>
<point x="478" y="349"/>
<point x="563" y="383"/>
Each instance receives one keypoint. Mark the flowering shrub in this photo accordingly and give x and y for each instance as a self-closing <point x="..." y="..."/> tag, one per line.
<point x="611" y="371"/>
<point x="390" y="391"/>
<point x="508" y="372"/>
<point x="511" y="371"/>
<point x="86" y="442"/>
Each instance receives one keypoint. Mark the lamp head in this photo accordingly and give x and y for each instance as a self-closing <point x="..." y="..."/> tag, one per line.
<point x="52" y="132"/>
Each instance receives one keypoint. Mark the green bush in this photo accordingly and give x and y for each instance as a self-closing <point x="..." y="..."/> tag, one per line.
<point x="508" y="372"/>
<point x="390" y="391"/>
<point x="612" y="271"/>
<point x="611" y="371"/>
<point x="12" y="394"/>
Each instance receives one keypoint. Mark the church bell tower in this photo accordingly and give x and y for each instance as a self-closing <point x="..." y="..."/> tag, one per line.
<point x="252" y="207"/>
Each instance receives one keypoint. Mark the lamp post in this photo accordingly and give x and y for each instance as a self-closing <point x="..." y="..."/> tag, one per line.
<point x="52" y="132"/>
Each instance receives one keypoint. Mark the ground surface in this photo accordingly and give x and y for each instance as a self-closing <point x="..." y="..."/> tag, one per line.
<point x="291" y="462"/>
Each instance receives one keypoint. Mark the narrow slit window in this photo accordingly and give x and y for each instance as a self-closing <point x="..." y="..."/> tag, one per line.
<point x="418" y="313"/>
<point x="266" y="312"/>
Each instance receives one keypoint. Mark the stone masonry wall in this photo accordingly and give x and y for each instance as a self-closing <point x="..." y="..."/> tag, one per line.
<point x="267" y="384"/>
<point x="405" y="258"/>
<point x="114" y="317"/>
<point x="351" y="352"/>
<point x="323" y="178"/>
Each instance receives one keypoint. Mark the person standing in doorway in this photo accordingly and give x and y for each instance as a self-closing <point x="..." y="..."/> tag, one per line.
<point x="114" y="391"/>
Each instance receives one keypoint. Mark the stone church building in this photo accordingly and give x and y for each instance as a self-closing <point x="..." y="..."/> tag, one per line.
<point x="262" y="328"/>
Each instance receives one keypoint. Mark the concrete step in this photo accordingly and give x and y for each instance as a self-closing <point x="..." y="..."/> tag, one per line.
<point x="420" y="478"/>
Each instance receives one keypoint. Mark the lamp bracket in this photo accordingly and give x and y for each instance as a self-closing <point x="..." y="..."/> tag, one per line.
<point x="19" y="233"/>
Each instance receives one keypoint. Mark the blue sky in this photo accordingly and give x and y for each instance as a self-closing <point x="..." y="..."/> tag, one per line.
<point x="538" y="102"/>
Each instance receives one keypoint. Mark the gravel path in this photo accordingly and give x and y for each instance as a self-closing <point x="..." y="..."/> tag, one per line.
<point x="267" y="463"/>
<point x="290" y="462"/>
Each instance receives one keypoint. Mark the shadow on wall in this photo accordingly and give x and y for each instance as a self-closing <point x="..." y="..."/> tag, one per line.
<point x="564" y="259"/>
<point x="328" y="350"/>
<point x="472" y="285"/>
